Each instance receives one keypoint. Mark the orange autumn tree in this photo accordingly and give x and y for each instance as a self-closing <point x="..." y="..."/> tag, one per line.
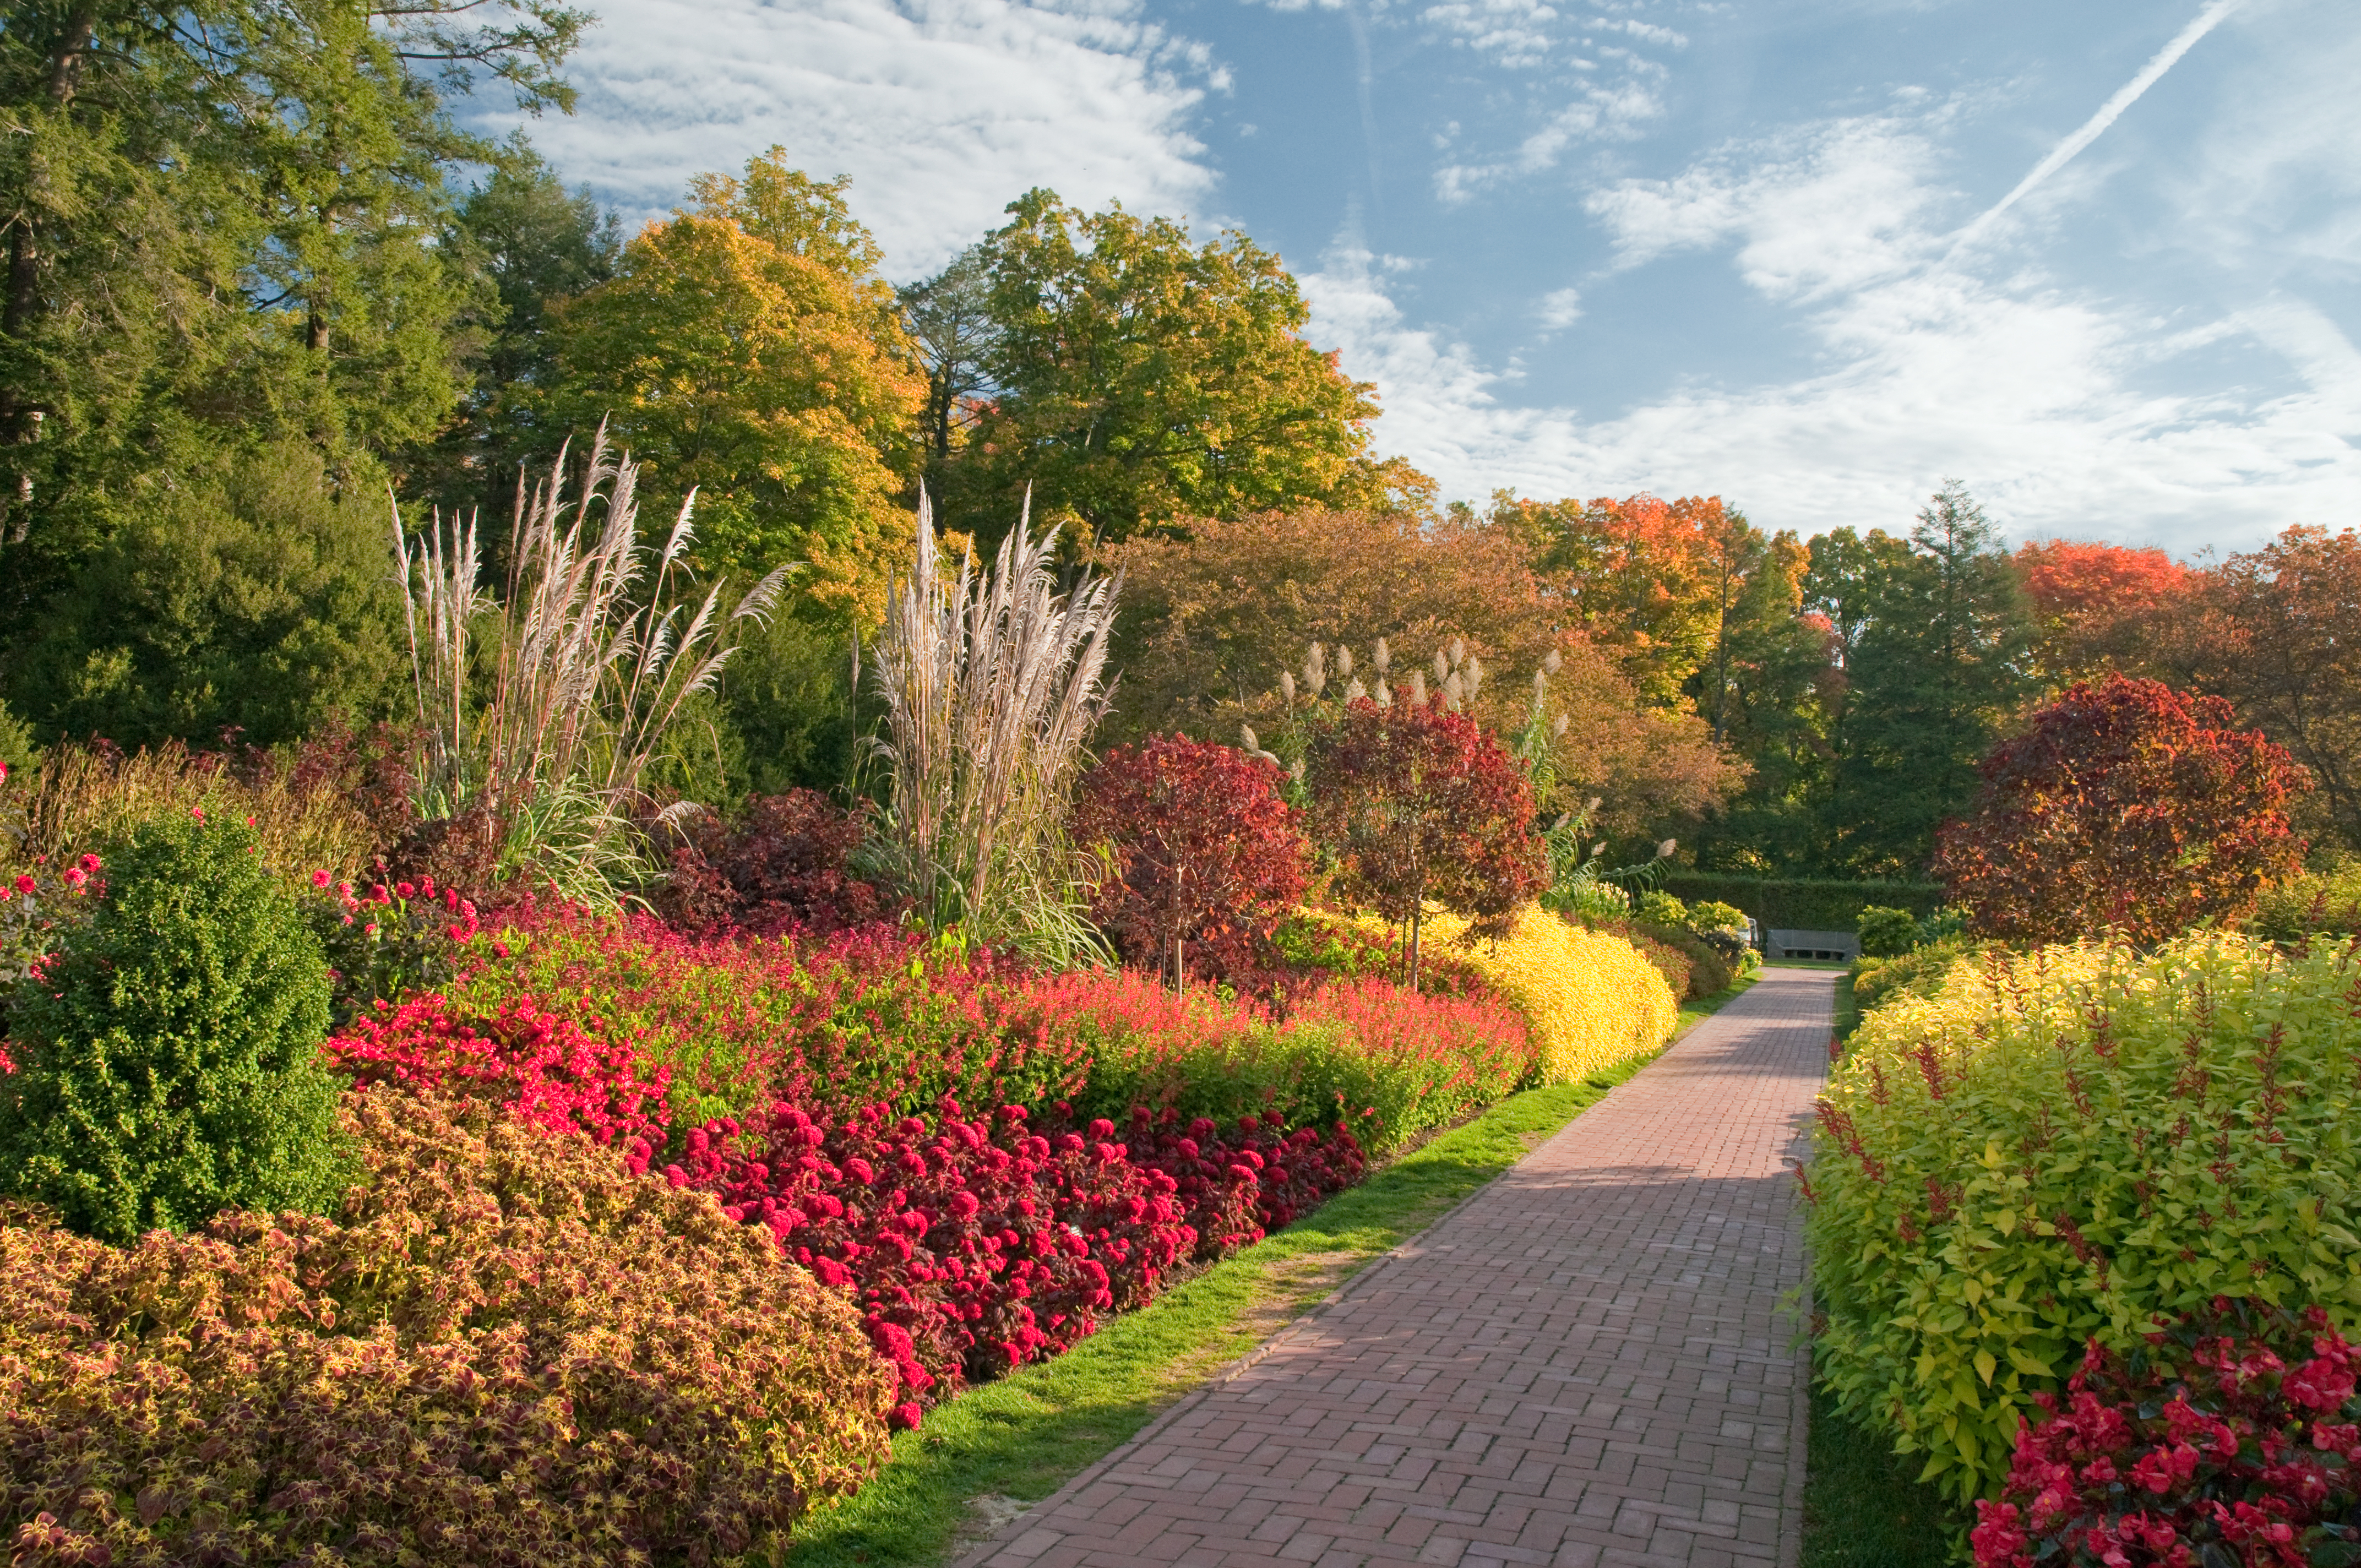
<point x="2127" y="805"/>
<point x="2099" y="606"/>
<point x="1654" y="582"/>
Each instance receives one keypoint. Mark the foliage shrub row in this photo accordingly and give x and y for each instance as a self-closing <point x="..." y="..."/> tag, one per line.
<point x="502" y="1347"/>
<point x="1590" y="1000"/>
<point x="2082" y="1143"/>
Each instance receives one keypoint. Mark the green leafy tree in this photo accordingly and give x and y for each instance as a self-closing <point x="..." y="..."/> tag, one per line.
<point x="1139" y="378"/>
<point x="254" y="596"/>
<point x="538" y="244"/>
<point x="224" y="229"/>
<point x="948" y="318"/>
<point x="1934" y="646"/>
<point x="169" y="1066"/>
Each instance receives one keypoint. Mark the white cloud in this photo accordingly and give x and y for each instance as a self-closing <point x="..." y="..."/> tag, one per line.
<point x="2043" y="399"/>
<point x="1559" y="309"/>
<point x="1605" y="112"/>
<point x="940" y="110"/>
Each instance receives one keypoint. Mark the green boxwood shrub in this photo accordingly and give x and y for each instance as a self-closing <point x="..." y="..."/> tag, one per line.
<point x="167" y="1062"/>
<point x="1886" y="933"/>
<point x="2079" y="1143"/>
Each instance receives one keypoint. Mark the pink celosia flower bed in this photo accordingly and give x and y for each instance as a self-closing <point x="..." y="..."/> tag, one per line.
<point x="972" y="1246"/>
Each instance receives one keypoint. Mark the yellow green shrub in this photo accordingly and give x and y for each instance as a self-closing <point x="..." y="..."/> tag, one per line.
<point x="1591" y="1000"/>
<point x="2076" y="1144"/>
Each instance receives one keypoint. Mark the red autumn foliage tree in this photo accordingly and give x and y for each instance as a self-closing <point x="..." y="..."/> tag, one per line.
<point x="1208" y="857"/>
<point x="1419" y="804"/>
<point x="2128" y="803"/>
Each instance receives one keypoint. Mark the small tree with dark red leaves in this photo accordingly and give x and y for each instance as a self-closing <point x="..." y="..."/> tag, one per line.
<point x="2127" y="805"/>
<point x="1418" y="804"/>
<point x="784" y="864"/>
<point x="1208" y="857"/>
<point x="2234" y="1439"/>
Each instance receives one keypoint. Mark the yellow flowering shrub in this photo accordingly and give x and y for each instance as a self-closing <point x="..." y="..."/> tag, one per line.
<point x="2084" y="1142"/>
<point x="1591" y="1000"/>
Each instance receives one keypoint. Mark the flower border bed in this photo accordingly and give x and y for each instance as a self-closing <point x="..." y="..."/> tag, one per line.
<point x="1026" y="1435"/>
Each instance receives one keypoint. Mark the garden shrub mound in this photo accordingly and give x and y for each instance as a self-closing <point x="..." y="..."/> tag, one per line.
<point x="2081" y="1144"/>
<point x="165" y="1066"/>
<point x="1590" y="1000"/>
<point x="1395" y="1062"/>
<point x="2235" y="1437"/>
<point x="503" y="1348"/>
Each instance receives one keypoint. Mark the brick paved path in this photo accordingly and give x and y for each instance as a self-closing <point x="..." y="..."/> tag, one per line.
<point x="1583" y="1365"/>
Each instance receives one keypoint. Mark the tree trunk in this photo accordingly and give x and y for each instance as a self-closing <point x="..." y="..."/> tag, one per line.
<point x="1417" y="914"/>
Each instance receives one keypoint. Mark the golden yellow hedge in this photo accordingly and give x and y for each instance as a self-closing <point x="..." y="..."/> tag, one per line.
<point x="1591" y="1000"/>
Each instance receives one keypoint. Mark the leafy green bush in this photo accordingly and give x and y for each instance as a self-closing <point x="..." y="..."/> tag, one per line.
<point x="2313" y="903"/>
<point x="1886" y="933"/>
<point x="1712" y="914"/>
<point x="167" y="1064"/>
<point x="1804" y="904"/>
<point x="2081" y="1143"/>
<point x="1663" y="908"/>
<point x="503" y="1347"/>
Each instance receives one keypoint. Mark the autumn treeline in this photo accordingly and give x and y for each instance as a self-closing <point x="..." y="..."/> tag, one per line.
<point x="259" y="278"/>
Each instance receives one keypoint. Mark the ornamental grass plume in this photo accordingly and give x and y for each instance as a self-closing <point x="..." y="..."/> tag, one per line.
<point x="594" y="659"/>
<point x="992" y="683"/>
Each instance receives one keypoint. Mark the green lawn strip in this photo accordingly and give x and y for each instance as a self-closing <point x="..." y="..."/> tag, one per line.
<point x="1024" y="1436"/>
<point x="1864" y="1507"/>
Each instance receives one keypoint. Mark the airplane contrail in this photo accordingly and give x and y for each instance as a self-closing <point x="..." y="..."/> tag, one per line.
<point x="2108" y="112"/>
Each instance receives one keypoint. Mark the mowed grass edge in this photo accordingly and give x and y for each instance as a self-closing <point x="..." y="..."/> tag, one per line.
<point x="1014" y="1442"/>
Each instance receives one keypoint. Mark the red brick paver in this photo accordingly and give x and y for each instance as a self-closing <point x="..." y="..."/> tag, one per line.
<point x="1584" y="1364"/>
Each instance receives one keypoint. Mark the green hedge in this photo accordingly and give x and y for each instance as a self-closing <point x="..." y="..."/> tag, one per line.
<point x="1805" y="904"/>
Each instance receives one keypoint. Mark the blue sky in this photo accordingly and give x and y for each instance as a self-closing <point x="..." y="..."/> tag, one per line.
<point x="2100" y="258"/>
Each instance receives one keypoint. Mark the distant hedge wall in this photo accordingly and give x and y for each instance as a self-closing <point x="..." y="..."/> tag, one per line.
<point x="1805" y="904"/>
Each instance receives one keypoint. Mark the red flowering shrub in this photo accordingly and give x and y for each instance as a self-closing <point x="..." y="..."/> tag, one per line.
<point x="394" y="938"/>
<point x="2127" y="805"/>
<point x="557" y="1068"/>
<point x="2234" y="1439"/>
<point x="1208" y="857"/>
<point x="784" y="865"/>
<point x="971" y="1246"/>
<point x="503" y="1348"/>
<point x="835" y="1023"/>
<point x="1392" y="1062"/>
<point x="1421" y="805"/>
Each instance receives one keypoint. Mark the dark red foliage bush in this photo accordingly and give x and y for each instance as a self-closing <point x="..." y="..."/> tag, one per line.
<point x="784" y="864"/>
<point x="503" y="1348"/>
<point x="971" y="1246"/>
<point x="2127" y="805"/>
<point x="562" y="1068"/>
<point x="1208" y="857"/>
<point x="2234" y="1439"/>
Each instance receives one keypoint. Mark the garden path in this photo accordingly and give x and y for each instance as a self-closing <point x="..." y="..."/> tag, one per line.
<point x="1585" y="1363"/>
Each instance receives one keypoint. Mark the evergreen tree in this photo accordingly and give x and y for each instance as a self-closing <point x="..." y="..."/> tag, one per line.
<point x="1936" y="643"/>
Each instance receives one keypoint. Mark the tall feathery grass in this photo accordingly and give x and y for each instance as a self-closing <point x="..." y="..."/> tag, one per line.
<point x="542" y="709"/>
<point x="80" y="798"/>
<point x="992" y="683"/>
